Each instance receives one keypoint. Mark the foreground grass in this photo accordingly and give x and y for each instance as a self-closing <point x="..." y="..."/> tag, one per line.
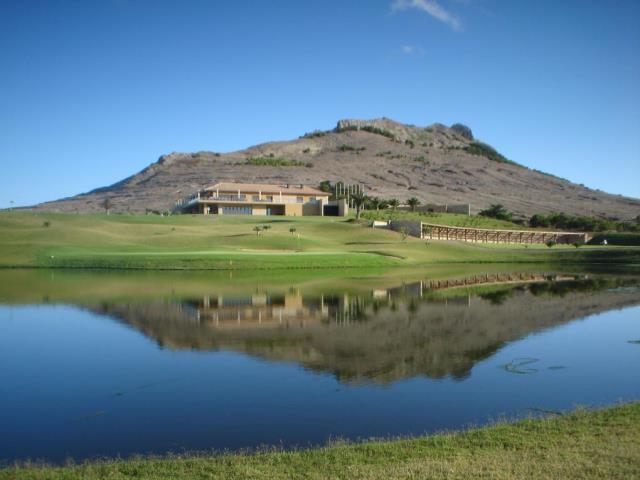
<point x="580" y="445"/>
<point x="230" y="243"/>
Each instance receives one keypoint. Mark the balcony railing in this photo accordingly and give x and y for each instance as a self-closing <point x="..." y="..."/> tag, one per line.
<point x="203" y="197"/>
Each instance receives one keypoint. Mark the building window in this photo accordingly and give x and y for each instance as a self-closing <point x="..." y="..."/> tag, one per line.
<point x="237" y="210"/>
<point x="300" y="199"/>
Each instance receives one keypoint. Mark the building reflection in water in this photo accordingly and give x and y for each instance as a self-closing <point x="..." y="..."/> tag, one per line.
<point x="263" y="309"/>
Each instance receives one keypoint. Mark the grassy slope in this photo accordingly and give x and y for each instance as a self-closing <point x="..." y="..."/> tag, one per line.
<point x="580" y="445"/>
<point x="199" y="242"/>
<point x="452" y="219"/>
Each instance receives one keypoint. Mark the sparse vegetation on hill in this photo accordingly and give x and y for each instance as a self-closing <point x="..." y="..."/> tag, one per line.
<point x="314" y="134"/>
<point x="276" y="162"/>
<point x="370" y="129"/>
<point x="445" y="170"/>
<point x="350" y="148"/>
<point x="487" y="151"/>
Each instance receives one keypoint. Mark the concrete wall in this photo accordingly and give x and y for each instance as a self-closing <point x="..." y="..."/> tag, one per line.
<point x="412" y="227"/>
<point x="259" y="210"/>
<point x="312" y="209"/>
<point x="293" y="209"/>
<point x="343" y="208"/>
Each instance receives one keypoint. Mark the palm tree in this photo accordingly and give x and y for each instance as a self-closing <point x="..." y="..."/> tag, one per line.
<point x="358" y="198"/>
<point x="393" y="203"/>
<point x="413" y="202"/>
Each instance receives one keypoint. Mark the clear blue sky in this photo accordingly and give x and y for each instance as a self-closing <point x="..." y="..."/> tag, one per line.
<point x="93" y="91"/>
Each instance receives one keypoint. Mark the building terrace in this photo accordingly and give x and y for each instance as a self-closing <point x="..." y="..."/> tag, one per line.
<point x="229" y="198"/>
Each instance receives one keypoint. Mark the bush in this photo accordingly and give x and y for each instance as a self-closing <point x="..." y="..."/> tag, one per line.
<point x="350" y="148"/>
<point x="590" y="224"/>
<point x="370" y="129"/>
<point x="498" y="212"/>
<point x="315" y="133"/>
<point x="487" y="151"/>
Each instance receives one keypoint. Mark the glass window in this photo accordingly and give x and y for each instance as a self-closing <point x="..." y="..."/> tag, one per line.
<point x="300" y="200"/>
<point x="237" y="210"/>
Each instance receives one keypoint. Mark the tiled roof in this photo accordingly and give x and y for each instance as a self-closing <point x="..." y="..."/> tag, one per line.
<point x="293" y="189"/>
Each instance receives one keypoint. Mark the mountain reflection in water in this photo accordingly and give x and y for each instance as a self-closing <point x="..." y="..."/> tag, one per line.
<point x="432" y="328"/>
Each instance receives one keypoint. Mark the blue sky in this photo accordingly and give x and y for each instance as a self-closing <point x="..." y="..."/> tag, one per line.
<point x="93" y="91"/>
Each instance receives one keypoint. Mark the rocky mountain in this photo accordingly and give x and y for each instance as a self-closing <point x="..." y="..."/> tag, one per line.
<point x="436" y="164"/>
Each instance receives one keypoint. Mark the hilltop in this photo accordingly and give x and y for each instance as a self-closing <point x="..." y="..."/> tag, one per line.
<point x="436" y="164"/>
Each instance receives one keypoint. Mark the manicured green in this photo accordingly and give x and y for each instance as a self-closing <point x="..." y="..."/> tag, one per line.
<point x="231" y="242"/>
<point x="580" y="445"/>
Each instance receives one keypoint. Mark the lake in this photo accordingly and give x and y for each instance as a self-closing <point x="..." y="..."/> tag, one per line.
<point x="98" y="364"/>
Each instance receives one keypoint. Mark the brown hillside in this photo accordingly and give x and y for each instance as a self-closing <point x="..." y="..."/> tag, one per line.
<point x="437" y="164"/>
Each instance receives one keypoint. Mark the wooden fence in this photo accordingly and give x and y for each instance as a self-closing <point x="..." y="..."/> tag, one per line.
<point x="446" y="232"/>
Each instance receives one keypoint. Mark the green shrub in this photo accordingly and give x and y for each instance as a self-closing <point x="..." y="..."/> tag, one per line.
<point x="487" y="151"/>
<point x="563" y="221"/>
<point x="350" y="148"/>
<point x="371" y="129"/>
<point x="497" y="211"/>
<point x="314" y="134"/>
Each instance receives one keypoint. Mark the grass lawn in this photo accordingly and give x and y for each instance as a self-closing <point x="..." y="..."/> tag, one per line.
<point x="211" y="242"/>
<point x="580" y="445"/>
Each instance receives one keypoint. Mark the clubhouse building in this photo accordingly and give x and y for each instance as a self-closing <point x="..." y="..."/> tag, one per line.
<point x="262" y="199"/>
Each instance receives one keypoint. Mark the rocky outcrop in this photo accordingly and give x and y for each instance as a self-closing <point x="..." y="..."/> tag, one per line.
<point x="463" y="131"/>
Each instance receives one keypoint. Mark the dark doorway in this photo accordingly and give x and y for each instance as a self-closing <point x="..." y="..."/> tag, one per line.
<point x="331" y="211"/>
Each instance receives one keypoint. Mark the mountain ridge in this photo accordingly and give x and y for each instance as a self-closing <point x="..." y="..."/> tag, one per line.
<point x="437" y="164"/>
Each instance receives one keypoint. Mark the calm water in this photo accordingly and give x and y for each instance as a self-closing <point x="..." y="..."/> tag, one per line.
<point x="106" y="364"/>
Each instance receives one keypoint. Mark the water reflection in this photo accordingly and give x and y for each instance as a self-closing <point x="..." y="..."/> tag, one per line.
<point x="431" y="328"/>
<point x="297" y="359"/>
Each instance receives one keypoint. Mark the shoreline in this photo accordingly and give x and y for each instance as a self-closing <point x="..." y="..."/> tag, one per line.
<point x="594" y="443"/>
